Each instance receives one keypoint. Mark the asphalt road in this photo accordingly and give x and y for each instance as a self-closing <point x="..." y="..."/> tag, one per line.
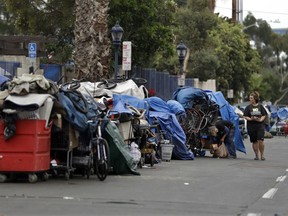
<point x="204" y="186"/>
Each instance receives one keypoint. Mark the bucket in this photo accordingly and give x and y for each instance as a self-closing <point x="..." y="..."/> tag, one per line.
<point x="166" y="152"/>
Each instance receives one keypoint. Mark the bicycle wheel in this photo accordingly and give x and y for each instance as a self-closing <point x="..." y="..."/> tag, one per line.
<point x="76" y="97"/>
<point x="101" y="158"/>
<point x="193" y="120"/>
<point x="107" y="84"/>
<point x="139" y="81"/>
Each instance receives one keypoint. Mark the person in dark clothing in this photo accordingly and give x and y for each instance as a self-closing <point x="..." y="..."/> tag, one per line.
<point x="224" y="131"/>
<point x="255" y="115"/>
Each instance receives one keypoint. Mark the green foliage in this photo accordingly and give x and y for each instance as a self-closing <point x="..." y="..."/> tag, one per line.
<point x="193" y="27"/>
<point x="203" y="65"/>
<point x="237" y="60"/>
<point x="49" y="18"/>
<point x="7" y="21"/>
<point x="219" y="49"/>
<point x="147" y="23"/>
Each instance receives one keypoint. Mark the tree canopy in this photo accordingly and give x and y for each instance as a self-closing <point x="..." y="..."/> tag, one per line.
<point x="217" y="48"/>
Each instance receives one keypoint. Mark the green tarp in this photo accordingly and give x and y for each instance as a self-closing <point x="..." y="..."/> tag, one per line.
<point x="120" y="157"/>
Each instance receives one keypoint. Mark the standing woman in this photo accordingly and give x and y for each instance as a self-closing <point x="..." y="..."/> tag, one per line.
<point x="255" y="115"/>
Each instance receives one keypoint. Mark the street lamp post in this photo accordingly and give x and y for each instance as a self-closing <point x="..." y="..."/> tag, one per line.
<point x="116" y="32"/>
<point x="181" y="51"/>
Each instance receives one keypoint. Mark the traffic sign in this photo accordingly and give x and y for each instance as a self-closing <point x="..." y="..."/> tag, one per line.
<point x="181" y="80"/>
<point x="126" y="56"/>
<point x="32" y="50"/>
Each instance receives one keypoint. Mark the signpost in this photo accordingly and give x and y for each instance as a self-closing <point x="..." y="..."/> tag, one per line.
<point x="181" y="80"/>
<point x="32" y="51"/>
<point x="126" y="56"/>
<point x="230" y="93"/>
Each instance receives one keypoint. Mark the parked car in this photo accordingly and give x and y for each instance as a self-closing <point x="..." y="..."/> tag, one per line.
<point x="278" y="128"/>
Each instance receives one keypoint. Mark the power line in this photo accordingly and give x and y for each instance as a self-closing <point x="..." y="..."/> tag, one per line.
<point x="266" y="12"/>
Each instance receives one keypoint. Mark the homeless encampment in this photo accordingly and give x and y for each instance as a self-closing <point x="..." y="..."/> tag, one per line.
<point x="156" y="108"/>
<point x="120" y="159"/>
<point x="189" y="97"/>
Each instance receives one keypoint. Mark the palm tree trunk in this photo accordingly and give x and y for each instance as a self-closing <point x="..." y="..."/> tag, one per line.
<point x="211" y="5"/>
<point x="92" y="44"/>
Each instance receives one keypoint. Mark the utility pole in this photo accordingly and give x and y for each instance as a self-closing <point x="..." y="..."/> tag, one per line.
<point x="234" y="11"/>
<point x="237" y="11"/>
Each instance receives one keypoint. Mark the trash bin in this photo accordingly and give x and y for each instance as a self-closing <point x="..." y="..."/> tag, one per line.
<point x="28" y="151"/>
<point x="166" y="150"/>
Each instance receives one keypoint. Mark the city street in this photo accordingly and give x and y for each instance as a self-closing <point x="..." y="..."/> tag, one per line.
<point x="204" y="186"/>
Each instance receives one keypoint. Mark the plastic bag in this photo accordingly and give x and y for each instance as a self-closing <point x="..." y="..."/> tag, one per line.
<point x="135" y="152"/>
<point x="220" y="151"/>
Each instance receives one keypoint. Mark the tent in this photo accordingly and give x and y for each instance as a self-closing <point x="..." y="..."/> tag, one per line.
<point x="228" y="113"/>
<point x="156" y="108"/>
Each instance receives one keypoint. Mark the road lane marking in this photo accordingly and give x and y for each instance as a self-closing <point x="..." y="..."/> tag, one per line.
<point x="281" y="178"/>
<point x="270" y="193"/>
<point x="286" y="170"/>
<point x="254" y="214"/>
<point x="68" y="198"/>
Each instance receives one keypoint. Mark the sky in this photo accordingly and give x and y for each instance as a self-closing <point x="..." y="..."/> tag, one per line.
<point x="275" y="12"/>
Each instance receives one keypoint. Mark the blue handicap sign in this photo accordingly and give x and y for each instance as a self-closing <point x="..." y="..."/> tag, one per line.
<point x="32" y="50"/>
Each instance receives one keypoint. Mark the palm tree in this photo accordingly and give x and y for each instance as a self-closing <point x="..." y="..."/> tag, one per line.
<point x="212" y="4"/>
<point x="92" y="45"/>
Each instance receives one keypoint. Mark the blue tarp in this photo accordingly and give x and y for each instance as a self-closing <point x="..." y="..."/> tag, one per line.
<point x="176" y="108"/>
<point x="77" y="119"/>
<point x="3" y="79"/>
<point x="158" y="108"/>
<point x="228" y="113"/>
<point x="282" y="113"/>
<point x="187" y="96"/>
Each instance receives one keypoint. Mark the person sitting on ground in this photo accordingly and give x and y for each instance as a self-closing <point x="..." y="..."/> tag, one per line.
<point x="224" y="131"/>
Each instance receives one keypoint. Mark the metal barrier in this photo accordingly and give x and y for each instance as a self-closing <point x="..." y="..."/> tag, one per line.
<point x="162" y="83"/>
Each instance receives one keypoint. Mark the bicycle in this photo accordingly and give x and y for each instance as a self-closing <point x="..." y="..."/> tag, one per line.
<point x="196" y="123"/>
<point x="112" y="83"/>
<point x="99" y="145"/>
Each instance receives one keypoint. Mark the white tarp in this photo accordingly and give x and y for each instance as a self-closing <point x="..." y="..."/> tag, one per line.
<point x="128" y="87"/>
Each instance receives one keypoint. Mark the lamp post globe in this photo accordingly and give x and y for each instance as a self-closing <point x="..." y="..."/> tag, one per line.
<point x="116" y="32"/>
<point x="181" y="51"/>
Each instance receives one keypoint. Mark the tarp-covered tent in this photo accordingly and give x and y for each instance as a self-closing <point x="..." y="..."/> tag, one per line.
<point x="128" y="87"/>
<point x="282" y="113"/>
<point x="119" y="152"/>
<point x="189" y="96"/>
<point x="120" y="157"/>
<point x="158" y="109"/>
<point x="228" y="113"/>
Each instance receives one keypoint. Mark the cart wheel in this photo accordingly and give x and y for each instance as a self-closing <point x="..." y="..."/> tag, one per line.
<point x="151" y="160"/>
<point x="92" y="171"/>
<point x="140" y="163"/>
<point x="44" y="176"/>
<point x="3" y="178"/>
<point x="67" y="175"/>
<point x="32" y="178"/>
<point x="88" y="173"/>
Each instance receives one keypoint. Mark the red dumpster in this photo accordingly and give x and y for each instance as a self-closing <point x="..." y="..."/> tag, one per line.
<point x="28" y="150"/>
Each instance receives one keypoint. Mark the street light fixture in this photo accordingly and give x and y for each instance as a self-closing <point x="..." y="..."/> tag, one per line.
<point x="252" y="25"/>
<point x="181" y="51"/>
<point x="116" y="32"/>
